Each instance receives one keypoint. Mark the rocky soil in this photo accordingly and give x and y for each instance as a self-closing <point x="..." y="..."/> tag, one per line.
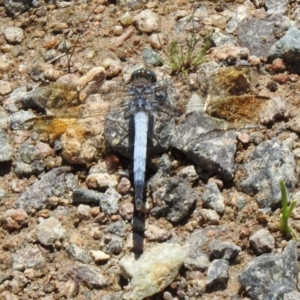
<point x="210" y="225"/>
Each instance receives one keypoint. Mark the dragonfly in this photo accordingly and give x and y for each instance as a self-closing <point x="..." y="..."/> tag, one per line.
<point x="144" y="96"/>
<point x="138" y="105"/>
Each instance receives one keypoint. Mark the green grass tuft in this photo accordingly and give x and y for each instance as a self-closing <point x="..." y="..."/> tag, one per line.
<point x="184" y="57"/>
<point x="286" y="213"/>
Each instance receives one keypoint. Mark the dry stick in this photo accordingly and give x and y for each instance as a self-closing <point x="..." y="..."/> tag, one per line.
<point x="78" y="36"/>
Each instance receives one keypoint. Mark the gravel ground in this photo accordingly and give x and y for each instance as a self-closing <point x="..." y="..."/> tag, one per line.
<point x="210" y="225"/>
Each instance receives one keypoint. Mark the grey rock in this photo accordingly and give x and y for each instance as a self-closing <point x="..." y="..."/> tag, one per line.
<point x="224" y="250"/>
<point x="133" y="4"/>
<point x="251" y="33"/>
<point x="173" y="198"/>
<point x="240" y="14"/>
<point x="28" y="257"/>
<point x="60" y="211"/>
<point x="19" y="98"/>
<point x="17" y="50"/>
<point x="6" y="150"/>
<point x="83" y="212"/>
<point x="220" y="39"/>
<point x="212" y="198"/>
<point x="89" y="276"/>
<point x="187" y="24"/>
<point x="117" y="228"/>
<point x="164" y="168"/>
<point x="189" y="173"/>
<point x="109" y="201"/>
<point x="113" y="244"/>
<point x="295" y="295"/>
<point x="217" y="274"/>
<point x="82" y="196"/>
<point x="147" y="21"/>
<point x="201" y="12"/>
<point x="196" y="259"/>
<point x="270" y="162"/>
<point x="16" y="7"/>
<point x="199" y="262"/>
<point x="13" y="35"/>
<point x="155" y="269"/>
<point x="270" y="276"/>
<point x="49" y="231"/>
<point x="151" y="58"/>
<point x="78" y="254"/>
<point x="55" y="183"/>
<point x="262" y="241"/>
<point x="50" y="54"/>
<point x="18" y="118"/>
<point x="288" y="47"/>
<point x="209" y="216"/>
<point x="276" y="6"/>
<point x="29" y="160"/>
<point x="209" y="142"/>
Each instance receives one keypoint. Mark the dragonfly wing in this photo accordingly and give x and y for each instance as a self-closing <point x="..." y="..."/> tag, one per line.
<point x="239" y="110"/>
<point x="56" y="95"/>
<point x="49" y="128"/>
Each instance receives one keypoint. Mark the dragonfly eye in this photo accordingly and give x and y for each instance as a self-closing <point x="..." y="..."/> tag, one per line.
<point x="143" y="74"/>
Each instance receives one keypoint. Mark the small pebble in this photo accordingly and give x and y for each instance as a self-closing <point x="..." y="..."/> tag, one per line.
<point x="14" y="219"/>
<point x="167" y="296"/>
<point x="244" y="138"/>
<point x="147" y="21"/>
<point x="126" y="211"/>
<point x="278" y="65"/>
<point x="83" y="212"/>
<point x="95" y="211"/>
<point x="118" y="30"/>
<point x="5" y="87"/>
<point x="254" y="60"/>
<point x="218" y="21"/>
<point x="17" y="186"/>
<point x="13" y="35"/>
<point x="124" y="186"/>
<point x="210" y="216"/>
<point x="30" y="273"/>
<point x="157" y="40"/>
<point x="126" y="19"/>
<point x="281" y="78"/>
<point x="99" y="256"/>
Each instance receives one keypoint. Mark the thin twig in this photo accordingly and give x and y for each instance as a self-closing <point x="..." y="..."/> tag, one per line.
<point x="78" y="36"/>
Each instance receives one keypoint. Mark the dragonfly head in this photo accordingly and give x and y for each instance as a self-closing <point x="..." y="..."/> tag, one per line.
<point x="143" y="74"/>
